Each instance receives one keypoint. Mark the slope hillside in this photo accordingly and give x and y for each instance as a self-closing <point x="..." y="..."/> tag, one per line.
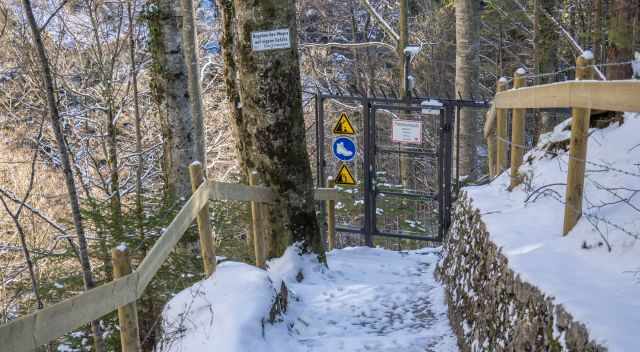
<point x="593" y="271"/>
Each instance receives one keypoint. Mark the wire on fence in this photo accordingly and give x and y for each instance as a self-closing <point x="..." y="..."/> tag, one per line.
<point x="571" y="68"/>
<point x="608" y="167"/>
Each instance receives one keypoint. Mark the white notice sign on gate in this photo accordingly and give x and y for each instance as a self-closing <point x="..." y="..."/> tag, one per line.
<point x="270" y="40"/>
<point x="407" y="131"/>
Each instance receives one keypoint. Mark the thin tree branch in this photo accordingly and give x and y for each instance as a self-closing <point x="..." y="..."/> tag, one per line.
<point x="385" y="25"/>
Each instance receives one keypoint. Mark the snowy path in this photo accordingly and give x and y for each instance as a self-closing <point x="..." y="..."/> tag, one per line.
<point x="368" y="300"/>
<point x="371" y="300"/>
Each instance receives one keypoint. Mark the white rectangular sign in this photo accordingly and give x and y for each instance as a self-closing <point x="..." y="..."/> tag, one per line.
<point x="270" y="40"/>
<point x="406" y="131"/>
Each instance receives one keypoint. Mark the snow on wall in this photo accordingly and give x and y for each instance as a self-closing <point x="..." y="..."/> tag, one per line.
<point x="490" y="307"/>
<point x="592" y="272"/>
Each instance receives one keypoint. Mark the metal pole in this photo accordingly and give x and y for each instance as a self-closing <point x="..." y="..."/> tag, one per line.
<point x="440" y="177"/>
<point x="449" y="163"/>
<point x="457" y="149"/>
<point x="367" y="172"/>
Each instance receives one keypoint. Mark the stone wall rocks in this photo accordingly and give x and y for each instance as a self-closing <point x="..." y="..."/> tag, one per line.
<point x="490" y="307"/>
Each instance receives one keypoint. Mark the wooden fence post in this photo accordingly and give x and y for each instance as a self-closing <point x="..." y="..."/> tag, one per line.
<point x="501" y="131"/>
<point x="256" y="219"/>
<point x="128" y="314"/>
<point x="490" y="136"/>
<point x="207" y="246"/>
<point x="517" y="132"/>
<point x="577" y="151"/>
<point x="331" y="217"/>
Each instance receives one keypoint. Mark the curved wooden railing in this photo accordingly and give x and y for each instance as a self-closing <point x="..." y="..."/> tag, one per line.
<point x="582" y="95"/>
<point x="39" y="328"/>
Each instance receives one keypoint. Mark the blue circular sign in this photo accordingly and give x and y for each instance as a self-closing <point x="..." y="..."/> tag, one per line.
<point x="344" y="148"/>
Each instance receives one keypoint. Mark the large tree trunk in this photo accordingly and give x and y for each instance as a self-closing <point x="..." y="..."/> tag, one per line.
<point x="54" y="115"/>
<point x="467" y="60"/>
<point x="190" y="39"/>
<point x="170" y="86"/>
<point x="546" y="53"/>
<point x="623" y="13"/>
<point x="273" y="124"/>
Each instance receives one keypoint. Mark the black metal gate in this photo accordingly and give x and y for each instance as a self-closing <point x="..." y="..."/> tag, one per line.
<point x="432" y="186"/>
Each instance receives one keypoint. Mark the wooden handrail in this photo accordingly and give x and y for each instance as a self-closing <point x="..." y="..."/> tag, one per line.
<point x="599" y="95"/>
<point x="39" y="328"/>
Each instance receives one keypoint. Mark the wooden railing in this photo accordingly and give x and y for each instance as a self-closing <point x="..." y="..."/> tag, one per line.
<point x="39" y="328"/>
<point x="582" y="95"/>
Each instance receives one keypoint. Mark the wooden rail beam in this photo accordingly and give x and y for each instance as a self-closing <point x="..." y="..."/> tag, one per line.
<point x="619" y="96"/>
<point x="30" y="332"/>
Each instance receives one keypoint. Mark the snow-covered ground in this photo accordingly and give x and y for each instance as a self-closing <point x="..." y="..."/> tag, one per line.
<point x="369" y="300"/>
<point x="599" y="287"/>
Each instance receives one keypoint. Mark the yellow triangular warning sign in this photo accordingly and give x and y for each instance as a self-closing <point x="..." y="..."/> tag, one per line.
<point x="345" y="177"/>
<point x="344" y="126"/>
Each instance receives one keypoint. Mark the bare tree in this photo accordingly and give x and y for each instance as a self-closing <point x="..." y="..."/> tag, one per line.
<point x="74" y="201"/>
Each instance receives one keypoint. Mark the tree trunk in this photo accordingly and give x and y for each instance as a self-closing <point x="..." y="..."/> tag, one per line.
<point x="227" y="14"/>
<point x="190" y="40"/>
<point x="467" y="46"/>
<point x="74" y="201"/>
<point x="597" y="30"/>
<point x="273" y="123"/>
<point x="623" y="13"/>
<point x="170" y="89"/>
<point x="138" y="128"/>
<point x="545" y="49"/>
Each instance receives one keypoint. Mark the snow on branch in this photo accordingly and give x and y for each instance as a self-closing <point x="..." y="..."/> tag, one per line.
<point x="385" y="25"/>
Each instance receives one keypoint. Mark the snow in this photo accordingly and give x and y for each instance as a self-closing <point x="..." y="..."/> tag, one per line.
<point x="431" y="106"/>
<point x="368" y="299"/>
<point x="598" y="287"/>
<point x="587" y="55"/>
<point x="412" y="50"/>
<point x="431" y="103"/>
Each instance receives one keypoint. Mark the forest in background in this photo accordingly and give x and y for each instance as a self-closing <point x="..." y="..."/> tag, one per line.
<point x="112" y="74"/>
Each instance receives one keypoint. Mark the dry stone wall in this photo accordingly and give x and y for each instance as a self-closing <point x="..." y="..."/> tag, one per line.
<point x="490" y="307"/>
